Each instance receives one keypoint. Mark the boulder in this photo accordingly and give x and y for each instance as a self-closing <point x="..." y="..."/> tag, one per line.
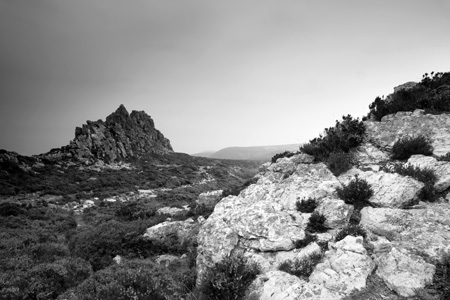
<point x="441" y="169"/>
<point x="345" y="267"/>
<point x="404" y="272"/>
<point x="389" y="189"/>
<point x="367" y="155"/>
<point x="336" y="212"/>
<point x="426" y="230"/>
<point x="264" y="218"/>
<point x="278" y="285"/>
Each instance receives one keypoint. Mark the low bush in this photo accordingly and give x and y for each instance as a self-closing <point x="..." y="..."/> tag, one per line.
<point x="441" y="278"/>
<point x="137" y="279"/>
<point x="301" y="267"/>
<point x="345" y="135"/>
<point x="308" y="239"/>
<point x="306" y="206"/>
<point x="353" y="230"/>
<point x="427" y="176"/>
<point x="281" y="155"/>
<point x="234" y="191"/>
<point x="407" y="146"/>
<point x="316" y="223"/>
<point x="429" y="94"/>
<point x="339" y="162"/>
<point x="357" y="193"/>
<point x="445" y="157"/>
<point x="228" y="279"/>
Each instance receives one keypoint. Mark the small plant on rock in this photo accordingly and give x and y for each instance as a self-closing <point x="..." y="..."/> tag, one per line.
<point x="306" y="206"/>
<point x="316" y="223"/>
<point x="338" y="162"/>
<point x="229" y="279"/>
<point x="353" y="230"/>
<point x="308" y="239"/>
<point x="407" y="146"/>
<point x="445" y="157"/>
<point x="301" y="267"/>
<point x="357" y="193"/>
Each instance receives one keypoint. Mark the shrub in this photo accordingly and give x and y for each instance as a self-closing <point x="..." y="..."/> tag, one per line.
<point x="429" y="94"/>
<point x="338" y="162"/>
<point x="353" y="230"/>
<point x="308" y="239"/>
<point x="347" y="134"/>
<point x="441" y="278"/>
<point x="427" y="176"/>
<point x="306" y="206"/>
<point x="281" y="155"/>
<point x="301" y="267"/>
<point x="137" y="279"/>
<point x="229" y="278"/>
<point x="316" y="223"/>
<point x="236" y="190"/>
<point x="445" y="157"/>
<point x="357" y="193"/>
<point x="407" y="146"/>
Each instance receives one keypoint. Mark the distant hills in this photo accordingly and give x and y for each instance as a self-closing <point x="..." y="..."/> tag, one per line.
<point x="263" y="153"/>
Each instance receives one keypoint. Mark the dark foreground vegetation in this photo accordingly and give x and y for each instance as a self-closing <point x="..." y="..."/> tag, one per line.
<point x="49" y="252"/>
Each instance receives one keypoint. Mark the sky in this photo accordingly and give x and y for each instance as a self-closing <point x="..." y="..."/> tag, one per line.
<point x="212" y="74"/>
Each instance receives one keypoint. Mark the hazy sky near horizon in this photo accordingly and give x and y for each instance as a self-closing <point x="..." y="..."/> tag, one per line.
<point x="211" y="74"/>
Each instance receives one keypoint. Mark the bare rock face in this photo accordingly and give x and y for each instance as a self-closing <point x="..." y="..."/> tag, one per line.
<point x="404" y="272"/>
<point x="392" y="127"/>
<point x="121" y="136"/>
<point x="425" y="230"/>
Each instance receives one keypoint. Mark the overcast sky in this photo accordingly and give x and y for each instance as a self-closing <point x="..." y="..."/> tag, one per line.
<point x="211" y="74"/>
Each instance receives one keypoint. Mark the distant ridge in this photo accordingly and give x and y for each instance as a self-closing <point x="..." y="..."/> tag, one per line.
<point x="263" y="153"/>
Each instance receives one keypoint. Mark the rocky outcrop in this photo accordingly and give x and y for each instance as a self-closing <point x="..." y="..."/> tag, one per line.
<point x="392" y="127"/>
<point x="343" y="270"/>
<point x="404" y="236"/>
<point x="121" y="135"/>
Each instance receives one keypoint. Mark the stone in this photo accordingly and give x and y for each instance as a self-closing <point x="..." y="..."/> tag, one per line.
<point x="165" y="259"/>
<point x="404" y="272"/>
<point x="441" y="169"/>
<point x="369" y="155"/>
<point x="171" y="211"/>
<point x="278" y="285"/>
<point x="389" y="189"/>
<point x="117" y="259"/>
<point x="392" y="127"/>
<point x="183" y="230"/>
<point x="336" y="212"/>
<point x="210" y="198"/>
<point x="345" y="267"/>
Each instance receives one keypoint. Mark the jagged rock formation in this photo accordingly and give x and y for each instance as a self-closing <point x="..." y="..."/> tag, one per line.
<point x="121" y="135"/>
<point x="262" y="222"/>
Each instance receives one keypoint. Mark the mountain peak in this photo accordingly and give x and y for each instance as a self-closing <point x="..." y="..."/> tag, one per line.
<point x="121" y="136"/>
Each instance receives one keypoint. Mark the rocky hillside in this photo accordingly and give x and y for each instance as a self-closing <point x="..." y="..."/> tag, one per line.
<point x="389" y="245"/>
<point x="120" y="136"/>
